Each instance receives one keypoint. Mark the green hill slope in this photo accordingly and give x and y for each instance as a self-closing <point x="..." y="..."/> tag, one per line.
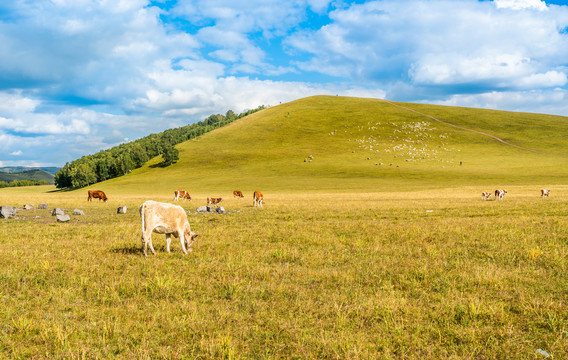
<point x="35" y="174"/>
<point x="362" y="145"/>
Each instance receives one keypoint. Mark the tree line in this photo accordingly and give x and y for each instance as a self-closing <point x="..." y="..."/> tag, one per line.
<point x="16" y="183"/>
<point x="121" y="159"/>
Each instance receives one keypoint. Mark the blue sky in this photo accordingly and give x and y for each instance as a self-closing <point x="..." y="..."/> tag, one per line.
<point x="79" y="76"/>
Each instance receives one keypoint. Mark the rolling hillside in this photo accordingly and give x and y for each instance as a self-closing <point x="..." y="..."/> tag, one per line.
<point x="35" y="174"/>
<point x="364" y="145"/>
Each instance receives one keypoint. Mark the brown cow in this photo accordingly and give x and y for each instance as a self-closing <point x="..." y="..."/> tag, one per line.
<point x="485" y="195"/>
<point x="97" y="194"/>
<point x="258" y="198"/>
<point x="181" y="194"/>
<point x="163" y="218"/>
<point x="214" y="201"/>
<point x="238" y="193"/>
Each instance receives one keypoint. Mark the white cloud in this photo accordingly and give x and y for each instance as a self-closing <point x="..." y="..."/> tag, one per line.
<point x="521" y="4"/>
<point x="16" y="153"/>
<point x="553" y="101"/>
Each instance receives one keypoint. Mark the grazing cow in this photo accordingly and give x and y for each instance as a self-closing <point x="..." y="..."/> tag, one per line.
<point x="544" y="193"/>
<point x="485" y="195"/>
<point x="97" y="194"/>
<point x="499" y="194"/>
<point x="214" y="201"/>
<point x="164" y="218"/>
<point x="258" y="198"/>
<point x="238" y="193"/>
<point x="180" y="194"/>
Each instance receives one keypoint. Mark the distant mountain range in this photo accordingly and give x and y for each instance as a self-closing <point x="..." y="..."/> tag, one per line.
<point x="19" y="169"/>
<point x="11" y="173"/>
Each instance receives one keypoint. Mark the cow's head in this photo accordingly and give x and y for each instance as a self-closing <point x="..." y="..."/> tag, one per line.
<point x="189" y="237"/>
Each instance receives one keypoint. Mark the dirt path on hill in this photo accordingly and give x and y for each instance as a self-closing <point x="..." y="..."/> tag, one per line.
<point x="467" y="129"/>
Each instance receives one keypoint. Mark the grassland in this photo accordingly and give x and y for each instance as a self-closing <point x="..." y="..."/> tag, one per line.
<point x="347" y="260"/>
<point x="402" y="275"/>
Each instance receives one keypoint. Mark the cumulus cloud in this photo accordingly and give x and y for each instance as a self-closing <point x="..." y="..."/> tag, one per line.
<point x="478" y="43"/>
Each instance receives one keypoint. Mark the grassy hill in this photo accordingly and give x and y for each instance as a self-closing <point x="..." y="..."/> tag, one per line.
<point x="365" y="145"/>
<point x="35" y="174"/>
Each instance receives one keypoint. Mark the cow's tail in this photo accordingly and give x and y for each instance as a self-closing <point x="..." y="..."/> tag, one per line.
<point x="142" y="217"/>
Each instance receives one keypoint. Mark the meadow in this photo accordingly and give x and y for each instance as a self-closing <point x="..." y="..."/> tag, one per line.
<point x="384" y="275"/>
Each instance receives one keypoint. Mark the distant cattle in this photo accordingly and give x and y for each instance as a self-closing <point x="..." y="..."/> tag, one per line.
<point x="214" y="201"/>
<point x="97" y="194"/>
<point x="544" y="193"/>
<point x="258" y="198"/>
<point x="499" y="194"/>
<point x="238" y="193"/>
<point x="168" y="219"/>
<point x="485" y="195"/>
<point x="181" y="194"/>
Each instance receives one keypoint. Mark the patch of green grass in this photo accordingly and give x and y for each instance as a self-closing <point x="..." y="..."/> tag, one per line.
<point x="379" y="275"/>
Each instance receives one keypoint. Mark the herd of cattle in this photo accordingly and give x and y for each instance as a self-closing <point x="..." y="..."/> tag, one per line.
<point x="169" y="219"/>
<point x="499" y="194"/>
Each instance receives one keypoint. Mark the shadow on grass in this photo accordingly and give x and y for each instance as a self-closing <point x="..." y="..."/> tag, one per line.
<point x="160" y="165"/>
<point x="128" y="250"/>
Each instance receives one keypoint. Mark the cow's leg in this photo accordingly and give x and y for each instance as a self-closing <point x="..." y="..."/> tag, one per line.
<point x="168" y="241"/>
<point x="148" y="242"/>
<point x="144" y="244"/>
<point x="182" y="241"/>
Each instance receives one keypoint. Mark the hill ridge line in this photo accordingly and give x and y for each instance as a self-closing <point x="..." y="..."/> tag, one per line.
<point x="467" y="129"/>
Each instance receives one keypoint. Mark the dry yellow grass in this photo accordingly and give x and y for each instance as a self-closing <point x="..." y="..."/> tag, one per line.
<point x="428" y="274"/>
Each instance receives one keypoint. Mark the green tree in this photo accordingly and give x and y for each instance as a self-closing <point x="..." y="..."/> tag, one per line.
<point x="169" y="154"/>
<point x="63" y="177"/>
<point x="82" y="175"/>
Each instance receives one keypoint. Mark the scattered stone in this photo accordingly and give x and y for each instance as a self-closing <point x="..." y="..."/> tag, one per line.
<point x="8" y="211"/>
<point x="220" y="210"/>
<point x="202" y="209"/>
<point x="57" y="211"/>
<point x="42" y="206"/>
<point x="311" y="157"/>
<point x="78" y="212"/>
<point x="63" y="218"/>
<point x="121" y="210"/>
<point x="28" y="207"/>
<point x="305" y="159"/>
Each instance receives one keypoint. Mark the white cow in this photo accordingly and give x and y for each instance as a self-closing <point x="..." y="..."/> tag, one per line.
<point x="499" y="194"/>
<point x="163" y="218"/>
<point x="544" y="193"/>
<point x="485" y="195"/>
